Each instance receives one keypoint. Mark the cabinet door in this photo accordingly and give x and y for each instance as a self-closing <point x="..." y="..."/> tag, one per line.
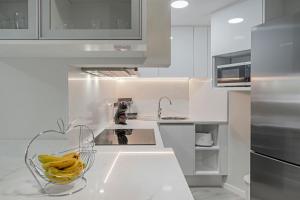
<point x="181" y="137"/>
<point x="18" y="19"/>
<point x="229" y="38"/>
<point x="201" y="54"/>
<point x="181" y="53"/>
<point x="91" y="19"/>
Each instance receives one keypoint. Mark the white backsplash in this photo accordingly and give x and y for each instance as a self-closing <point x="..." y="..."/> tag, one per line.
<point x="146" y="93"/>
<point x="91" y="99"/>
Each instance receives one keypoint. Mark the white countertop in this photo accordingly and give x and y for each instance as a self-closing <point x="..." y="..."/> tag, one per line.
<point x="191" y="121"/>
<point x="188" y="120"/>
<point x="129" y="173"/>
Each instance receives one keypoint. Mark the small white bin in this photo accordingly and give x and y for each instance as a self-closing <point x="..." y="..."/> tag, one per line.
<point x="204" y="139"/>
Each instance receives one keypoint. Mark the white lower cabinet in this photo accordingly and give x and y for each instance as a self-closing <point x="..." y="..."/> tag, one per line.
<point x="212" y="160"/>
<point x="181" y="137"/>
<point x="196" y="160"/>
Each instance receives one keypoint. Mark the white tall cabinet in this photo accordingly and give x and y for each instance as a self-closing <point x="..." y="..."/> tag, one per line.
<point x="182" y="46"/>
<point x="202" y="56"/>
<point x="190" y="54"/>
<point x="229" y="38"/>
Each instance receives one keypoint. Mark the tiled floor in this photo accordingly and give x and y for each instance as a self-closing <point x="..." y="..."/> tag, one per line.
<point x="203" y="193"/>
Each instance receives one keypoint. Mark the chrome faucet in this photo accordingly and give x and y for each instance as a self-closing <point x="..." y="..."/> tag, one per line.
<point x="159" y="106"/>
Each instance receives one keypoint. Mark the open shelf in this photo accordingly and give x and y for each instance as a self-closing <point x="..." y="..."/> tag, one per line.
<point x="211" y="160"/>
<point x="207" y="161"/>
<point x="213" y="148"/>
<point x="230" y="58"/>
<point x="234" y="88"/>
<point x="207" y="173"/>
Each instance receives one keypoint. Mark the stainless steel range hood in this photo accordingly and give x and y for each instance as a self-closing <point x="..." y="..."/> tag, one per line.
<point x="111" y="71"/>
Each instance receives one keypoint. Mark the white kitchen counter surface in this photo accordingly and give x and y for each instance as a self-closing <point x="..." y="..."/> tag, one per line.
<point x="115" y="175"/>
<point x="119" y="172"/>
<point x="184" y="121"/>
<point x="191" y="121"/>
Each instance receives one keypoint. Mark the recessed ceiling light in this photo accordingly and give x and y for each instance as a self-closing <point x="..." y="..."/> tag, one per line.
<point x="236" y="20"/>
<point x="179" y="4"/>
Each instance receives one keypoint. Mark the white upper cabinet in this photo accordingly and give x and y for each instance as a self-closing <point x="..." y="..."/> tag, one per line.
<point x="182" y="50"/>
<point x="18" y="19"/>
<point x="91" y="19"/>
<point x="73" y="19"/>
<point x="233" y="37"/>
<point x="98" y="33"/>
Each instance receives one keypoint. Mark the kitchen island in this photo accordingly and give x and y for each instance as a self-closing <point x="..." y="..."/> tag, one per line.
<point x="119" y="172"/>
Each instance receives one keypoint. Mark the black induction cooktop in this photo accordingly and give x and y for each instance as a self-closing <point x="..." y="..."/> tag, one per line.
<point x="126" y="137"/>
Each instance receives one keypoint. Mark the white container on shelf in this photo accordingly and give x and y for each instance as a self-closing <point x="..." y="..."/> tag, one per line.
<point x="204" y="139"/>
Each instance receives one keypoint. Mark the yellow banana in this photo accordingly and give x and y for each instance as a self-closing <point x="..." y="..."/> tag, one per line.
<point x="62" y="169"/>
<point x="56" y="178"/>
<point x="48" y="158"/>
<point x="60" y="164"/>
<point x="72" y="155"/>
<point x="44" y="158"/>
<point x="77" y="166"/>
<point x="62" y="176"/>
<point x="62" y="173"/>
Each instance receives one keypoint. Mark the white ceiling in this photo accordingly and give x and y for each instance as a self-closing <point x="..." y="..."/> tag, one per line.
<point x="198" y="12"/>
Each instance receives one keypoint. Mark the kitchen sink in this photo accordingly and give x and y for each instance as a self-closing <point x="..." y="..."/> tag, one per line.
<point x="174" y="118"/>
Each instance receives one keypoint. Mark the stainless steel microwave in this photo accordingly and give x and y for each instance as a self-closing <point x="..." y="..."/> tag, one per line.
<point x="234" y="75"/>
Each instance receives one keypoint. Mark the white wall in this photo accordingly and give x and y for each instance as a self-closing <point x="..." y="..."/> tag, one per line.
<point x="33" y="96"/>
<point x="89" y="101"/>
<point x="146" y="93"/>
<point x="207" y="103"/>
<point x="239" y="138"/>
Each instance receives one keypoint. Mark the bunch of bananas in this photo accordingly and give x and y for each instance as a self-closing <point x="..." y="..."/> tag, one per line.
<point x="62" y="169"/>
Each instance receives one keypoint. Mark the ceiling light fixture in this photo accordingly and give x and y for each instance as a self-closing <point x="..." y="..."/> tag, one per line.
<point x="179" y="3"/>
<point x="236" y="20"/>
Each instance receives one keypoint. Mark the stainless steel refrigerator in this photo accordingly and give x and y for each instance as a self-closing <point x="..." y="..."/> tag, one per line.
<point x="275" y="99"/>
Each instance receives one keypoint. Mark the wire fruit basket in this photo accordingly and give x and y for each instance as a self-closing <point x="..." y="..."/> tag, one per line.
<point x="59" y="166"/>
